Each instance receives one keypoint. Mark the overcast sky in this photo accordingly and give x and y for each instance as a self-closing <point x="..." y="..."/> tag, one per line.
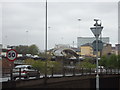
<point x="23" y="23"/>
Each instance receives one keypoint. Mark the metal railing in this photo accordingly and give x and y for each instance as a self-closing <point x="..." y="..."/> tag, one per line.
<point x="6" y="72"/>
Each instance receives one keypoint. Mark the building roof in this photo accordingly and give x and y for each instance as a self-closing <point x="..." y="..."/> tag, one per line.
<point x="87" y="44"/>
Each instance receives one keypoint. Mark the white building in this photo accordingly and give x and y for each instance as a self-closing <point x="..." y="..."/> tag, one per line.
<point x="84" y="40"/>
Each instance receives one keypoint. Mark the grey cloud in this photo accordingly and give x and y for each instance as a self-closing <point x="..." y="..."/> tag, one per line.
<point x="62" y="18"/>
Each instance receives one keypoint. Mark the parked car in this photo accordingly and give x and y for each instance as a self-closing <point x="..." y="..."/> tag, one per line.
<point x="101" y="69"/>
<point x="26" y="72"/>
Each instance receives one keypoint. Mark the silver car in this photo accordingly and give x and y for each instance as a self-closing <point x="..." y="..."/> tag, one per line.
<point x="25" y="71"/>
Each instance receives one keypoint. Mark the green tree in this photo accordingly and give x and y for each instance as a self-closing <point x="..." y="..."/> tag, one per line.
<point x="110" y="61"/>
<point x="87" y="63"/>
<point x="29" y="61"/>
<point x="33" y="49"/>
<point x="40" y="65"/>
<point x="56" y="66"/>
<point x="118" y="61"/>
<point x="22" y="49"/>
<point x="103" y="61"/>
<point x="90" y="60"/>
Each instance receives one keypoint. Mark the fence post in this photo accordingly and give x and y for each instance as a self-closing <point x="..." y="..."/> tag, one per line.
<point x="82" y="71"/>
<point x="90" y="71"/>
<point x="101" y="71"/>
<point x="111" y="71"/>
<point x="85" y="71"/>
<point x="114" y="71"/>
<point x="3" y="71"/>
<point x="118" y="71"/>
<point x="11" y="74"/>
<point x="63" y="71"/>
<point x="19" y="73"/>
<point x="74" y="71"/>
<point x="52" y="71"/>
<point x="106" y="70"/>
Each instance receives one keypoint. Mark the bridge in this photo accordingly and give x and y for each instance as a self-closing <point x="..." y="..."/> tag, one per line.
<point x="71" y="78"/>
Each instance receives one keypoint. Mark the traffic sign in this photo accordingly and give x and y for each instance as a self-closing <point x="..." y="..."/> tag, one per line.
<point x="100" y="45"/>
<point x="11" y="55"/>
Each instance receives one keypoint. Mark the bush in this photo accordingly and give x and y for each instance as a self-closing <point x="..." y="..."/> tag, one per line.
<point x="40" y="65"/>
<point x="111" y="61"/>
<point x="86" y="64"/>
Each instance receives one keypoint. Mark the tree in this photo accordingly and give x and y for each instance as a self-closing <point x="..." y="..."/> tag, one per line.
<point x="40" y="65"/>
<point x="33" y="49"/>
<point x="103" y="61"/>
<point x="22" y="49"/>
<point x="110" y="61"/>
<point x="118" y="61"/>
<point x="86" y="64"/>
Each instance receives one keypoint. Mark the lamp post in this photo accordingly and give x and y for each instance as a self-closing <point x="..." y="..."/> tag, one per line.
<point x="27" y="37"/>
<point x="45" y="81"/>
<point x="80" y="36"/>
<point x="79" y="21"/>
<point x="97" y="31"/>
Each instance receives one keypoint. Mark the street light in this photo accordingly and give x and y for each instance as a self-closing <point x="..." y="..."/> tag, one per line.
<point x="79" y="21"/>
<point x="27" y="37"/>
<point x="45" y="80"/>
<point x="80" y="36"/>
<point x="96" y="30"/>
